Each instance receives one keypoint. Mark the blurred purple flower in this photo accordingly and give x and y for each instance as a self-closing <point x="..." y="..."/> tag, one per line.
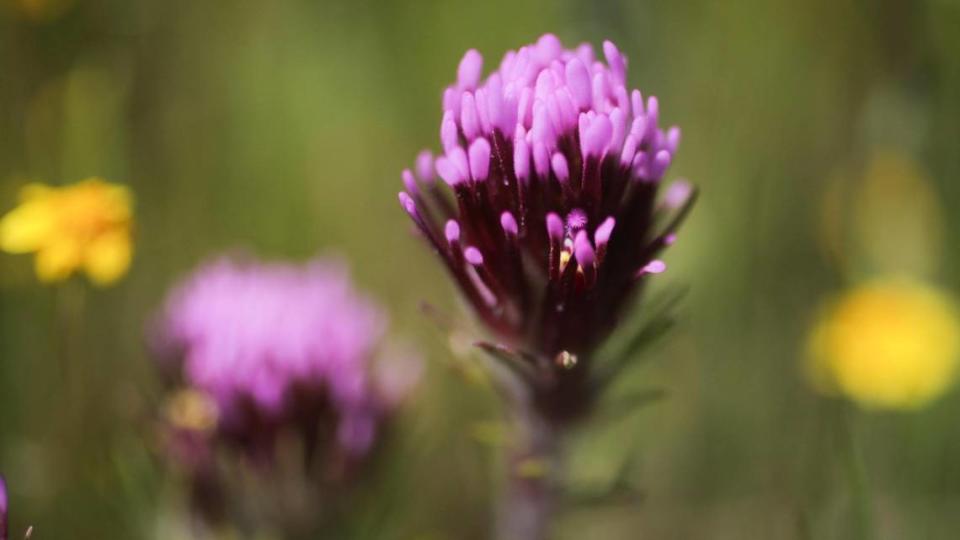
<point x="555" y="223"/>
<point x="3" y="509"/>
<point x="276" y="345"/>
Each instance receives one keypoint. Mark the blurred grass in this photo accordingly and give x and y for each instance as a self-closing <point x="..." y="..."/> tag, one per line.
<point x="282" y="126"/>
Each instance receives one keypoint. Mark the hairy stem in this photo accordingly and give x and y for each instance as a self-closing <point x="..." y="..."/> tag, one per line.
<point x="527" y="502"/>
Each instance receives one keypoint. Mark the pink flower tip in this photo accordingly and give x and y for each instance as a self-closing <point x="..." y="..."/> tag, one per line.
<point x="480" y="159"/>
<point x="448" y="171"/>
<point x="548" y="48"/>
<point x="554" y="227"/>
<point x="578" y="82"/>
<point x="449" y="134"/>
<point x="468" y="72"/>
<point x="407" y="202"/>
<point x="473" y="256"/>
<point x="603" y="232"/>
<point x="509" y="224"/>
<point x="425" y="166"/>
<point x="409" y="181"/>
<point x="655" y="266"/>
<point x="678" y="193"/>
<point x="661" y="162"/>
<point x="596" y="135"/>
<point x="560" y="167"/>
<point x="458" y="158"/>
<point x="636" y="100"/>
<point x="616" y="61"/>
<point x="452" y="231"/>
<point x="673" y="139"/>
<point x="583" y="250"/>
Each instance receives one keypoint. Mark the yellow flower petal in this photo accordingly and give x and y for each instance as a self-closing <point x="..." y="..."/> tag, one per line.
<point x="86" y="224"/>
<point x="108" y="257"/>
<point x="27" y="227"/>
<point x="59" y="259"/>
<point x="113" y="200"/>
<point x="119" y="202"/>
<point x="888" y="344"/>
<point x="34" y="191"/>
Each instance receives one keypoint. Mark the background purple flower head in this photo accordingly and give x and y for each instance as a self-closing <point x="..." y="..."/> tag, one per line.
<point x="3" y="509"/>
<point x="275" y="343"/>
<point x="555" y="221"/>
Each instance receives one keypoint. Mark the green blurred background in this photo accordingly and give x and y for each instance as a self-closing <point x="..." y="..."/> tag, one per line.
<point x="282" y="127"/>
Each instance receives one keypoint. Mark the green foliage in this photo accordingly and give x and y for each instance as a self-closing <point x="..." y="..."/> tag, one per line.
<point x="281" y="127"/>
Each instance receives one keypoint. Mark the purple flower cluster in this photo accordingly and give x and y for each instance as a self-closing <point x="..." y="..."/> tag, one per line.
<point x="555" y="220"/>
<point x="274" y="344"/>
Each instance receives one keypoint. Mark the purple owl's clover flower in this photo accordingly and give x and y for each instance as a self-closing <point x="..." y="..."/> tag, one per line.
<point x="258" y="337"/>
<point x="554" y="227"/>
<point x="555" y="223"/>
<point x="262" y="349"/>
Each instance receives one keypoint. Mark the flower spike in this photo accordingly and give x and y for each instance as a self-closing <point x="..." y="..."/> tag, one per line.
<point x="558" y="221"/>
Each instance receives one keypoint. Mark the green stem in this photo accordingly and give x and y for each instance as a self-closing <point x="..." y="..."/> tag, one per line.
<point x="70" y="306"/>
<point x="857" y="477"/>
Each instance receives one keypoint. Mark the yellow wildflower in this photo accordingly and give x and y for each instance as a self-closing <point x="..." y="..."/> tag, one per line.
<point x="85" y="226"/>
<point x="889" y="344"/>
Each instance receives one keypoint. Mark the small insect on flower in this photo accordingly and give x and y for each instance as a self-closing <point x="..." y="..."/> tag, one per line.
<point x="552" y="221"/>
<point x="890" y="344"/>
<point x="84" y="226"/>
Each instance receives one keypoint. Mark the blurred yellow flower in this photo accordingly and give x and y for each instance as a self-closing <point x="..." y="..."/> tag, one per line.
<point x="890" y="344"/>
<point x="85" y="226"/>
